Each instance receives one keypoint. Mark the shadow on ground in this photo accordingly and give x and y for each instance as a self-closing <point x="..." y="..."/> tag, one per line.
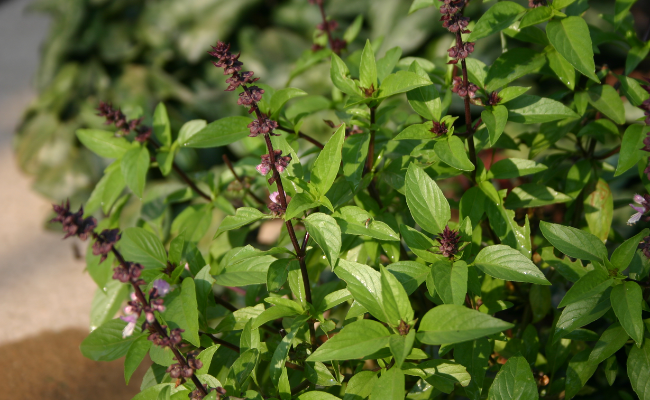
<point x="50" y="366"/>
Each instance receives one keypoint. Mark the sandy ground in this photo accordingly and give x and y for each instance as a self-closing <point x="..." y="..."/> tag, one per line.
<point x="45" y="296"/>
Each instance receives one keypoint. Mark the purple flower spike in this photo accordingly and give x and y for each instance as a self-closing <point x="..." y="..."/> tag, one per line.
<point x="642" y="208"/>
<point x="130" y="326"/>
<point x="161" y="286"/>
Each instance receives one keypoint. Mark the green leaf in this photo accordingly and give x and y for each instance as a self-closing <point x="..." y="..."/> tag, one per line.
<point x="318" y="374"/>
<point x="243" y="367"/>
<point x="503" y="222"/>
<point x="316" y="395"/>
<point x="135" y="355"/>
<point x="206" y="357"/>
<point x="161" y="126"/>
<point x="474" y="355"/>
<point x="512" y="65"/>
<point x="395" y="301"/>
<point x="326" y="166"/>
<point x="360" y="385"/>
<point x="514" y="381"/>
<point x="540" y="301"/>
<point x="281" y="97"/>
<point x="356" y="340"/>
<point x="400" y="82"/>
<point x="636" y="54"/>
<point x="579" y="371"/>
<point x="450" y="323"/>
<point x="419" y="244"/>
<point x="103" y="143"/>
<point x="631" y="146"/>
<point x="353" y="30"/>
<point x="506" y="263"/>
<point x="194" y="220"/>
<point x="611" y="369"/>
<point x="632" y="90"/>
<point x="141" y="246"/>
<point x="107" y="300"/>
<point x="390" y="386"/>
<point x="574" y="242"/>
<point x="511" y="92"/>
<point x="476" y="71"/>
<point x="452" y="151"/>
<point x="339" y="73"/>
<point x="357" y="221"/>
<point x="411" y="274"/>
<point x="282" y="351"/>
<point x="609" y="343"/>
<point x="189" y="129"/>
<point x="106" y="342"/>
<point x="638" y="369"/>
<point x="277" y="274"/>
<point x="243" y="217"/>
<point x="135" y="165"/>
<point x="425" y="100"/>
<point x="605" y="99"/>
<point x="426" y="201"/>
<point x="182" y="312"/>
<point x="570" y="37"/>
<point x="368" y="68"/>
<point x="401" y="346"/>
<point x="326" y="232"/>
<point x="581" y="313"/>
<point x="250" y="271"/>
<point x="623" y="255"/>
<point x="533" y="195"/>
<point x="442" y="374"/>
<point x="626" y="301"/>
<point x="416" y="131"/>
<point x="515" y="167"/>
<point x="450" y="280"/>
<point x="419" y="4"/>
<point x="107" y="190"/>
<point x="472" y="205"/>
<point x="498" y="17"/>
<point x="599" y="210"/>
<point x="219" y="133"/>
<point x="365" y="285"/>
<point x="591" y="284"/>
<point x="562" y="68"/>
<point x="529" y="109"/>
<point x="536" y="16"/>
<point x="495" y="121"/>
<point x="355" y="152"/>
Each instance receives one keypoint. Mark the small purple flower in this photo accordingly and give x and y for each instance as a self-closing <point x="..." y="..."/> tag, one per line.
<point x="276" y="206"/>
<point x="644" y="207"/>
<point x="130" y="326"/>
<point x="161" y="286"/>
<point x="263" y="169"/>
<point x="644" y="246"/>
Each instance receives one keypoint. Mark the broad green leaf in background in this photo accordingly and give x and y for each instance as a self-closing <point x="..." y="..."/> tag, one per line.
<point x="621" y="10"/>
<point x="326" y="166"/>
<point x="574" y="242"/>
<point x="605" y="99"/>
<point x="450" y="280"/>
<point x="387" y="63"/>
<point x="107" y="301"/>
<point x="368" y="68"/>
<point x="400" y="82"/>
<point x="280" y="98"/>
<point x="514" y="381"/>
<point x="591" y="284"/>
<point x="282" y="351"/>
<point x="581" y="313"/>
<point x="496" y="18"/>
<point x="141" y="246"/>
<point x="326" y="232"/>
<point x="536" y="16"/>
<point x="417" y="132"/>
<point x="219" y="133"/>
<point x="365" y="285"/>
<point x="622" y="256"/>
<point x="503" y="221"/>
<point x="419" y="4"/>
<point x="533" y="195"/>
<point x="570" y="37"/>
<point x="103" y="143"/>
<point x="512" y="65"/>
<point x="249" y="271"/>
<point x="419" y="244"/>
<point x="609" y="343"/>
<point x="474" y="355"/>
<point x="506" y="263"/>
<point x="316" y="395"/>
<point x="360" y="385"/>
<point x="135" y="355"/>
<point x="107" y="190"/>
<point x="353" y="30"/>
<point x="599" y="210"/>
<point x="411" y="274"/>
<point x="161" y="126"/>
<point x="515" y="167"/>
<point x="426" y="201"/>
<point x="529" y="109"/>
<point x="579" y="371"/>
<point x="389" y="386"/>
<point x="135" y="165"/>
<point x="339" y="73"/>
<point x="495" y="120"/>
<point x="452" y="151"/>
<point x="638" y="369"/>
<point x="561" y="67"/>
<point x="631" y="146"/>
<point x="243" y="217"/>
<point x="395" y="301"/>
<point x="632" y="90"/>
<point x="106" y="342"/>
<point x="182" y="311"/>
<point x="577" y="178"/>
<point x="401" y="346"/>
<point x="189" y="129"/>
<point x="425" y="100"/>
<point x="357" y="221"/>
<point x="626" y="302"/>
<point x="442" y="374"/>
<point x="354" y="154"/>
<point x="450" y="323"/>
<point x="356" y="340"/>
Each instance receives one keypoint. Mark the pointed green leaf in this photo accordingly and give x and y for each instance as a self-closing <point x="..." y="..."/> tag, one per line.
<point x="574" y="242"/>
<point x="141" y="246"/>
<point x="326" y="166"/>
<point x="426" y="201"/>
<point x="282" y="351"/>
<point x="605" y="99"/>
<point x="631" y="146"/>
<point x="638" y="369"/>
<point x="400" y="82"/>
<point x="450" y="280"/>
<point x="356" y="340"/>
<point x="529" y="109"/>
<point x="581" y="313"/>
<point x="623" y="255"/>
<point x="219" y="133"/>
<point x="394" y="299"/>
<point x="326" y="232"/>
<point x="626" y="302"/>
<point x="401" y="346"/>
<point x="570" y="37"/>
<point x="533" y="195"/>
<point x="161" y="126"/>
<point x="450" y="323"/>
<point x="244" y="216"/>
<point x="515" y="167"/>
<point x="506" y="263"/>
<point x="512" y="65"/>
<point x="135" y="165"/>
<point x="514" y="381"/>
<point x="389" y="386"/>
<point x="452" y="151"/>
<point x="103" y="143"/>
<point x="368" y="68"/>
<point x="592" y="284"/>
<point x="495" y="120"/>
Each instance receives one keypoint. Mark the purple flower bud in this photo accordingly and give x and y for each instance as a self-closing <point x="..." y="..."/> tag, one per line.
<point x="263" y="169"/>
<point x="161" y="286"/>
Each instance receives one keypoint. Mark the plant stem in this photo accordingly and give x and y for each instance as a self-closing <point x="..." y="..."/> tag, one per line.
<point x="182" y="174"/>
<point x="326" y="27"/>
<point x="609" y="153"/>
<point x="156" y="325"/>
<point x="241" y="181"/>
<point x="372" y="188"/>
<point x="468" y="113"/>
<point x="304" y="136"/>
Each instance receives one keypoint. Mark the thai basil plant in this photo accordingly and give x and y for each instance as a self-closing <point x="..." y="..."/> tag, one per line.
<point x="456" y="234"/>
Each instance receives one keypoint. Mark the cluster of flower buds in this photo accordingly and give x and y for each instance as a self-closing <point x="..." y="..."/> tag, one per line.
<point x="448" y="242"/>
<point x="280" y="162"/>
<point x="493" y="99"/>
<point x="197" y="395"/>
<point x="275" y="205"/>
<point x="105" y="242"/>
<point x="645" y="106"/>
<point x="173" y="339"/>
<point x="537" y="3"/>
<point x="455" y="22"/>
<point x="116" y="116"/>
<point x="460" y="51"/>
<point x="251" y="95"/>
<point x="644" y="246"/>
<point x="462" y="90"/>
<point x="129" y="272"/>
<point x="349" y="130"/>
<point x="135" y="308"/>
<point x="181" y="372"/>
<point x="74" y="224"/>
<point x="327" y="28"/>
<point x="642" y="208"/>
<point x="439" y="128"/>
